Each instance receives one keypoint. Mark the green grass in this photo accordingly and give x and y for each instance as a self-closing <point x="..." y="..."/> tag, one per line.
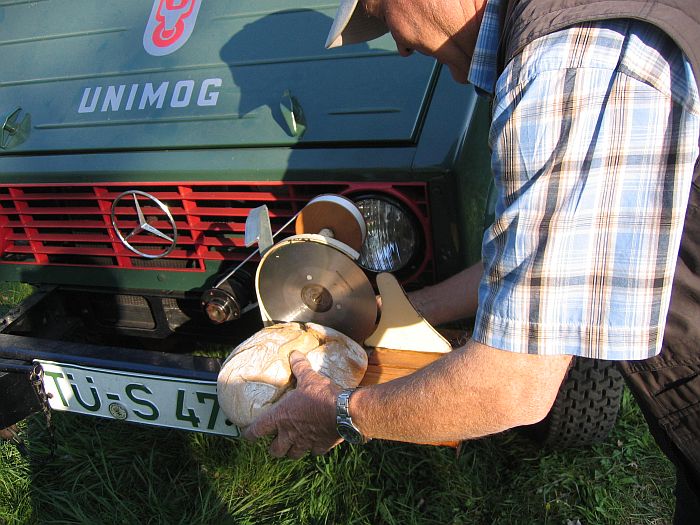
<point x="116" y="473"/>
<point x="11" y="294"/>
<point x="110" y="472"/>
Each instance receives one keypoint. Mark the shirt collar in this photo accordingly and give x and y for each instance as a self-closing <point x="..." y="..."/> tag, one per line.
<point x="483" y="71"/>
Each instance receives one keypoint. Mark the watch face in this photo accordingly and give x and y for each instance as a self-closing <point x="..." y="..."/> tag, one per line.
<point x="349" y="434"/>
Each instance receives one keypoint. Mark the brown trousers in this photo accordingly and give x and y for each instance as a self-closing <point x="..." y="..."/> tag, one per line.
<point x="667" y="387"/>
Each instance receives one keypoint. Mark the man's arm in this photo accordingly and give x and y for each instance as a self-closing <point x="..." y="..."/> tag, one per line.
<point x="471" y="392"/>
<point x="454" y="298"/>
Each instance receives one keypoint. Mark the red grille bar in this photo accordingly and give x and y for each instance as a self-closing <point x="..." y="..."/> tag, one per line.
<point x="71" y="225"/>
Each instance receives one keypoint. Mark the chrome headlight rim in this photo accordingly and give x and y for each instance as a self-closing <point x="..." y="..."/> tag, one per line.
<point x="415" y="260"/>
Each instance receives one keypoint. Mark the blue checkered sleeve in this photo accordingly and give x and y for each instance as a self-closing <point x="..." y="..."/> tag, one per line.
<point x="594" y="139"/>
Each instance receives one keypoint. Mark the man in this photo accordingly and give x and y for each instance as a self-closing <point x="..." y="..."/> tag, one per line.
<point x="594" y="139"/>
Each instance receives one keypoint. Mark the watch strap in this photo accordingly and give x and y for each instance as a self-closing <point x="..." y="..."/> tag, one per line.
<point x="344" y="420"/>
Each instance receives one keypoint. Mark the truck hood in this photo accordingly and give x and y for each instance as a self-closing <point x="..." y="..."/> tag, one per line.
<point x="152" y="74"/>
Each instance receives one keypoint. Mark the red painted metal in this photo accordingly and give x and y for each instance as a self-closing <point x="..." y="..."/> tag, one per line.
<point x="71" y="225"/>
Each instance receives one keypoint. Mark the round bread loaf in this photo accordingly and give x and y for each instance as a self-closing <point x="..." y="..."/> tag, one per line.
<point x="257" y="373"/>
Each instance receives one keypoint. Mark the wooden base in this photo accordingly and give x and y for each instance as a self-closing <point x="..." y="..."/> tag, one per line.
<point x="385" y="364"/>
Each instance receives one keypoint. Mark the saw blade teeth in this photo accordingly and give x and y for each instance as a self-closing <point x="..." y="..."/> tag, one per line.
<point x="305" y="280"/>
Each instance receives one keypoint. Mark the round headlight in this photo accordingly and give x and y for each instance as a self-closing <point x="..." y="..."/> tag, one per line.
<point x="391" y="235"/>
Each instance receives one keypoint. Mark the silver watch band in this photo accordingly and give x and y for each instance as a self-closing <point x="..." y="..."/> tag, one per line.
<point x="342" y="406"/>
<point x="344" y="424"/>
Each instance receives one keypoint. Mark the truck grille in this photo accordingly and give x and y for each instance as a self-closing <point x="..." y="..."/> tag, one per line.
<point x="71" y="225"/>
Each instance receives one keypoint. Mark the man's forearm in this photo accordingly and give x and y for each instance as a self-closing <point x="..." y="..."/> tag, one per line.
<point x="452" y="299"/>
<point x="472" y="392"/>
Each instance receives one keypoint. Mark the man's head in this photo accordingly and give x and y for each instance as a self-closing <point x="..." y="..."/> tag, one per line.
<point x="444" y="29"/>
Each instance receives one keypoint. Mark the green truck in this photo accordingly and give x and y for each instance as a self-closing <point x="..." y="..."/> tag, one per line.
<point x="136" y="137"/>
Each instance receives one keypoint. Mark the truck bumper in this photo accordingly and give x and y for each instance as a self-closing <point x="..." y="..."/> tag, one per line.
<point x="174" y="390"/>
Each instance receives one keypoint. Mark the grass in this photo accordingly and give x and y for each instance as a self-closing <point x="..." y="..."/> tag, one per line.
<point x="110" y="472"/>
<point x="115" y="473"/>
<point x="11" y="294"/>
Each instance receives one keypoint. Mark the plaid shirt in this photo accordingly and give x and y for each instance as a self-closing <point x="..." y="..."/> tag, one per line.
<point x="483" y="69"/>
<point x="594" y="137"/>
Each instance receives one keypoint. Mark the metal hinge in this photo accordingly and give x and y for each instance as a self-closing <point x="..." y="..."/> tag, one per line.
<point x="293" y="114"/>
<point x="14" y="130"/>
<point x="36" y="377"/>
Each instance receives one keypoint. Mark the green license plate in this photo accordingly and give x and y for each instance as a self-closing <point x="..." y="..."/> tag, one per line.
<point x="140" y="398"/>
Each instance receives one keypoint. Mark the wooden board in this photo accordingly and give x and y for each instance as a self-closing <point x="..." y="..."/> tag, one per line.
<point x="385" y="364"/>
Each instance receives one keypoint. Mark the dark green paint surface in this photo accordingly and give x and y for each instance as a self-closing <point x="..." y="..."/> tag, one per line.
<point x="218" y="109"/>
<point x="84" y="75"/>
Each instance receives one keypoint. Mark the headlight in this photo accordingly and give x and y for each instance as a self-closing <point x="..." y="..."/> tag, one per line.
<point x="391" y="235"/>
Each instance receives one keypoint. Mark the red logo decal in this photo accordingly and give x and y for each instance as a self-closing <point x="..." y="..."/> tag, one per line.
<point x="170" y="25"/>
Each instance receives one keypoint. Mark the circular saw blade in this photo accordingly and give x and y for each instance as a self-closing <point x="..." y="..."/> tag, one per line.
<point x="309" y="281"/>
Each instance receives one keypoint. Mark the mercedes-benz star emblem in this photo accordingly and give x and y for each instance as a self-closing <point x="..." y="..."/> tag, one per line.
<point x="143" y="224"/>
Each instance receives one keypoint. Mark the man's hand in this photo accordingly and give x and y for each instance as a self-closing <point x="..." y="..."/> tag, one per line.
<point x="304" y="419"/>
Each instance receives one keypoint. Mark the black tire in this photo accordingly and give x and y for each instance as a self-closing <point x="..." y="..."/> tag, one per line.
<point x="585" y="409"/>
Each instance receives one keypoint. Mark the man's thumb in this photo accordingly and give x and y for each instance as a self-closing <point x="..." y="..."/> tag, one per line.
<point x="300" y="365"/>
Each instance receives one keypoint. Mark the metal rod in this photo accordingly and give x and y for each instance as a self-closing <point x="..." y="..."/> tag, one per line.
<point x="244" y="261"/>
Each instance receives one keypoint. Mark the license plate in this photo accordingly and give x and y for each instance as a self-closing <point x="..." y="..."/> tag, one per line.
<point x="141" y="398"/>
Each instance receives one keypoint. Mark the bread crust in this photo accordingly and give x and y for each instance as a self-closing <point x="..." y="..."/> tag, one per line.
<point x="257" y="372"/>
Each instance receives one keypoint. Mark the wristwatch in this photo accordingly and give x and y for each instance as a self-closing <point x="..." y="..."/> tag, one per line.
<point x="343" y="422"/>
